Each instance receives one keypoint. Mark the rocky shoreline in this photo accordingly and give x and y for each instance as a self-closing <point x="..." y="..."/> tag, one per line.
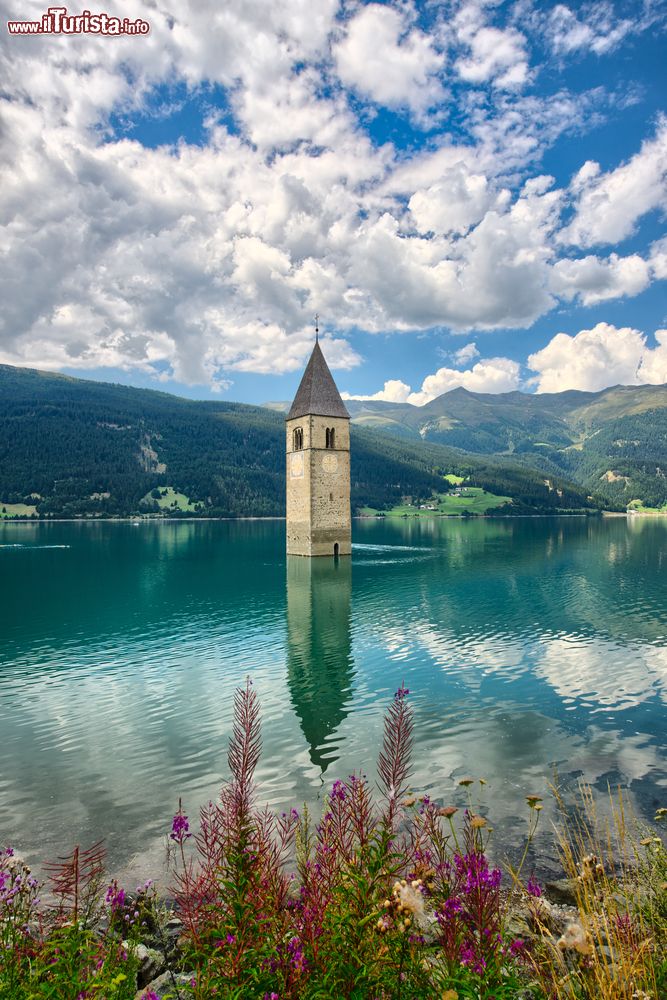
<point x="552" y="917"/>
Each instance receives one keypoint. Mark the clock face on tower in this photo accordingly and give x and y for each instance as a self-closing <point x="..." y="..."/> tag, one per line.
<point x="330" y="463"/>
<point x="296" y="465"/>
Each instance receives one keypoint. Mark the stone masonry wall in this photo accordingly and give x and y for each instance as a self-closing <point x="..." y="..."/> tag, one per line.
<point x="318" y="495"/>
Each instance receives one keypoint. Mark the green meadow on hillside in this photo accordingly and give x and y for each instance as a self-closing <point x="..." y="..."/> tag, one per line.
<point x="8" y="510"/>
<point x="167" y="498"/>
<point x="466" y="500"/>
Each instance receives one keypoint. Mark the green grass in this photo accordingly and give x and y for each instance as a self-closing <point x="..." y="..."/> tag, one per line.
<point x="473" y="500"/>
<point x="171" y="500"/>
<point x="639" y="507"/>
<point x="8" y="510"/>
<point x="454" y="480"/>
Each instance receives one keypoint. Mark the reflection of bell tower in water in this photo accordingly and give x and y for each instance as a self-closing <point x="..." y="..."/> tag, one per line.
<point x="319" y="658"/>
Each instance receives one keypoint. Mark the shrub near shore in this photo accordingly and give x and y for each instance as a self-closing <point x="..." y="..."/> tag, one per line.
<point x="390" y="896"/>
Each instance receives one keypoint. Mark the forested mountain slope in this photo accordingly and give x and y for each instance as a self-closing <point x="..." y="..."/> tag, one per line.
<point x="613" y="443"/>
<point x="72" y="447"/>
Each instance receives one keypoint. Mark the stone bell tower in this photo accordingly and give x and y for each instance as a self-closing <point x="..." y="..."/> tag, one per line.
<point x="318" y="465"/>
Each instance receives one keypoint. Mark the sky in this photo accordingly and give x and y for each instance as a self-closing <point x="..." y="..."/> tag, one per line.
<point x="467" y="192"/>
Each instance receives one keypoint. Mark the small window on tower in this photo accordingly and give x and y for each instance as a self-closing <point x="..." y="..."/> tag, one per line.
<point x="297" y="438"/>
<point x="331" y="437"/>
<point x="331" y="497"/>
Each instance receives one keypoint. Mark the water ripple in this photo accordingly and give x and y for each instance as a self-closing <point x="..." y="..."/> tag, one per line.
<point x="117" y="682"/>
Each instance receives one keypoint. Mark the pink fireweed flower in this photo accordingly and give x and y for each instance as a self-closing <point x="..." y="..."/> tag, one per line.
<point x="475" y="869"/>
<point x="115" y="897"/>
<point x="297" y="958"/>
<point x="338" y="791"/>
<point x="467" y="954"/>
<point x="180" y="828"/>
<point x="533" y="888"/>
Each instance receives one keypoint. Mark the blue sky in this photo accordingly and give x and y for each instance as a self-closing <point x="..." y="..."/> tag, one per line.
<point x="467" y="192"/>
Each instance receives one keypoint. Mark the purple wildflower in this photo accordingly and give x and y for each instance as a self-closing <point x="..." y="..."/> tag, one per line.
<point x="475" y="869"/>
<point x="425" y="805"/>
<point x="297" y="958"/>
<point x="402" y="693"/>
<point x="180" y="828"/>
<point x="467" y="953"/>
<point x="533" y="888"/>
<point x="115" y="897"/>
<point x="451" y="906"/>
<point x="338" y="791"/>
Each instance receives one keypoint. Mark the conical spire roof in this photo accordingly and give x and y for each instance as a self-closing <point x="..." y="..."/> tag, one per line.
<point x="317" y="392"/>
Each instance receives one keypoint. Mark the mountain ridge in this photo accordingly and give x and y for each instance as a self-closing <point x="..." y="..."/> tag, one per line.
<point x="612" y="442"/>
<point x="74" y="447"/>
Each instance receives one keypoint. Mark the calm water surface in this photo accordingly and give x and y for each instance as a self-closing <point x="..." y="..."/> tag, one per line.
<point x="532" y="647"/>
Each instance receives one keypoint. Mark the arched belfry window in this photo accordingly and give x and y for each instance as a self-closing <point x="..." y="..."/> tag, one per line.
<point x="297" y="438"/>
<point x="331" y="437"/>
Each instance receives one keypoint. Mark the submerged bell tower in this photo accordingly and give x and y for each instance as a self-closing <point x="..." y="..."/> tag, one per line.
<point x="318" y="465"/>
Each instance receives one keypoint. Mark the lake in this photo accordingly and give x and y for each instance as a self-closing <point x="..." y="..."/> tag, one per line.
<point x="535" y="650"/>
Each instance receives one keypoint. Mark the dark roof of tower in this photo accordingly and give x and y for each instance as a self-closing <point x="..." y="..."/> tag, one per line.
<point x="317" y="392"/>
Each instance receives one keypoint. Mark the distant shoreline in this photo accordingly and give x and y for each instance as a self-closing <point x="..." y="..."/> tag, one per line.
<point x="356" y="517"/>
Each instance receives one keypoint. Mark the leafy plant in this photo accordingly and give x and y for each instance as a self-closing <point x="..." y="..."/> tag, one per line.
<point x="391" y="897"/>
<point x="383" y="902"/>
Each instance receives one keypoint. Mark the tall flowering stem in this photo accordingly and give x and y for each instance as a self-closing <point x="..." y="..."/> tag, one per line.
<point x="245" y="747"/>
<point x="76" y="879"/>
<point x="395" y="756"/>
<point x="18" y="914"/>
<point x="233" y="893"/>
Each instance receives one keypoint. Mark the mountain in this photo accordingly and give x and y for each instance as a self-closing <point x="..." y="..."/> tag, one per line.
<point x="72" y="447"/>
<point x="612" y="443"/>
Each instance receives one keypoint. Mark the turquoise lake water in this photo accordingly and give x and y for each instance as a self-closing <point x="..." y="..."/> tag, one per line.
<point x="532" y="647"/>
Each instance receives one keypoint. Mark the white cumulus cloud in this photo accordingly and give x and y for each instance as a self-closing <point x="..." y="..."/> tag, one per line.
<point x="608" y="205"/>
<point x="393" y="391"/>
<point x="593" y="280"/>
<point x="653" y="367"/>
<point x="488" y="375"/>
<point x="192" y="261"/>
<point x="490" y="54"/>
<point x="465" y="354"/>
<point x="385" y="59"/>
<point x="658" y="258"/>
<point x="595" y="28"/>
<point x="458" y="201"/>
<point x="595" y="359"/>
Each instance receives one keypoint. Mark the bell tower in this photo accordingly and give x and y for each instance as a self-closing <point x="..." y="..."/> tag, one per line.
<point x="318" y="465"/>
